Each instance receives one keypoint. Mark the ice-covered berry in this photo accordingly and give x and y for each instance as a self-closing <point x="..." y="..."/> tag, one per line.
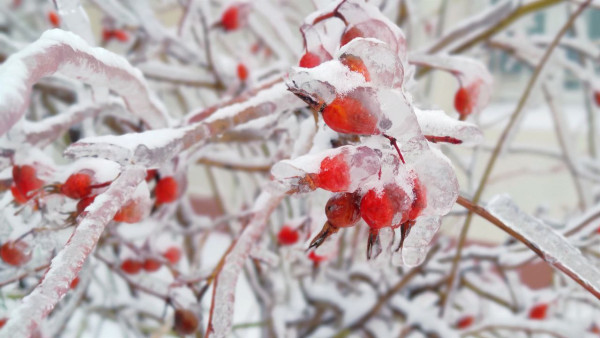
<point x="539" y="311"/>
<point x="173" y="254"/>
<point x="343" y="209"/>
<point x="166" y="190"/>
<point x="131" y="266"/>
<point x="186" y="322"/>
<point x="151" y="264"/>
<point x="78" y="185"/>
<point x="462" y="102"/>
<point x="388" y="207"/>
<point x="287" y="235"/>
<point x="15" y="253"/>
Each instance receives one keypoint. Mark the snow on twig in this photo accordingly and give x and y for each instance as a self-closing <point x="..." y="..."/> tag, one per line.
<point x="66" y="264"/>
<point x="58" y="51"/>
<point x="154" y="147"/>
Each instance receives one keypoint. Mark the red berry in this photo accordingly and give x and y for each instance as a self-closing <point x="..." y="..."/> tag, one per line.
<point x="230" y="19"/>
<point x="152" y="265"/>
<point x="130" y="213"/>
<point x="348" y="115"/>
<point x="309" y="60"/>
<point x="334" y="174"/>
<point x="84" y="203"/>
<point x="462" y="102"/>
<point x="77" y="186"/>
<point x="316" y="258"/>
<point x="420" y="201"/>
<point x="120" y="35"/>
<point x="107" y="34"/>
<point x="131" y="266"/>
<point x="2" y="322"/>
<point x="186" y="321"/>
<point x="173" y="254"/>
<point x="54" y="18"/>
<point x="24" y="177"/>
<point x="74" y="283"/>
<point x="150" y="174"/>
<point x="15" y="253"/>
<point x="386" y="208"/>
<point x="538" y="312"/>
<point x="343" y="209"/>
<point x="356" y="65"/>
<point x="287" y="235"/>
<point x="465" y="322"/>
<point x="166" y="190"/>
<point x="242" y="72"/>
<point x="17" y="195"/>
<point x="597" y="98"/>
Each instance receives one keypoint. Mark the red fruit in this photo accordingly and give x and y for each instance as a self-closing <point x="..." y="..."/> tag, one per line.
<point x="74" y="283"/>
<point x="106" y="34"/>
<point x="173" y="254"/>
<point x="186" y="321"/>
<point x="15" y="253"/>
<point x="242" y="72"/>
<point x="24" y="177"/>
<point x="287" y="235"/>
<point x="462" y="102"/>
<point x="465" y="322"/>
<point x="17" y="195"/>
<point x="131" y="266"/>
<point x="309" y="60"/>
<point x="316" y="258"/>
<point x="166" y="190"/>
<point x="343" y="209"/>
<point x="230" y="19"/>
<point x="130" y="213"/>
<point x="356" y="65"/>
<point x="120" y="35"/>
<point x="538" y="312"/>
<point x="334" y="174"/>
<point x="597" y="97"/>
<point x="386" y="208"/>
<point x="152" y="265"/>
<point x="420" y="201"/>
<point x="348" y="115"/>
<point x="77" y="186"/>
<point x="2" y="322"/>
<point x="54" y="18"/>
<point x="150" y="174"/>
<point x="84" y="203"/>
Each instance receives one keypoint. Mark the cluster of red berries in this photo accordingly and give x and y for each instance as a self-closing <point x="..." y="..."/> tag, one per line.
<point x="133" y="266"/>
<point x="371" y="182"/>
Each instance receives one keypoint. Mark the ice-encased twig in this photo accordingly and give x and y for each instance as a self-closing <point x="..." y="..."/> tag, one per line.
<point x="436" y="122"/>
<point x="66" y="264"/>
<point x="223" y="298"/>
<point x="60" y="51"/>
<point x="554" y="248"/>
<point x="42" y="133"/>
<point x="154" y="147"/>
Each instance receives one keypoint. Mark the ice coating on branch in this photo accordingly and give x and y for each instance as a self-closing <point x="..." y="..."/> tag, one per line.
<point x="68" y="262"/>
<point x="437" y="176"/>
<point x="72" y="57"/>
<point x="221" y="314"/>
<point x="341" y="169"/>
<point x="472" y="75"/>
<point x="375" y="60"/>
<point x="556" y="249"/>
<point x="446" y="129"/>
<point x="154" y="147"/>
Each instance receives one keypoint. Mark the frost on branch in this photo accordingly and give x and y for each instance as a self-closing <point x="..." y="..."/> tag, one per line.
<point x="66" y="264"/>
<point x="65" y="53"/>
